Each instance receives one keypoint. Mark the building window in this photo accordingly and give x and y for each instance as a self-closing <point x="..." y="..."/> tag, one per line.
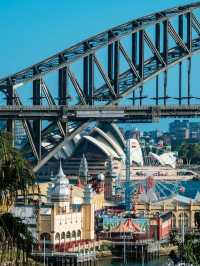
<point x="79" y="234"/>
<point x="63" y="235"/>
<point x="68" y="235"/>
<point x="57" y="237"/>
<point x="73" y="234"/>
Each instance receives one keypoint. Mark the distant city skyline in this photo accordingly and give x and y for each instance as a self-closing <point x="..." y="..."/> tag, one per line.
<point x="162" y="125"/>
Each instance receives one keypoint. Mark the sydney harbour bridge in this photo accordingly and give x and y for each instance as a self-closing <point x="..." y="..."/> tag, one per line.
<point x="104" y="78"/>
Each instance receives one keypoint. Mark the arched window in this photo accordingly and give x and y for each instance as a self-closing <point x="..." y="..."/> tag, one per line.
<point x="173" y="220"/>
<point x="63" y="235"/>
<point x="57" y="237"/>
<point x="68" y="235"/>
<point x="73" y="234"/>
<point x="45" y="236"/>
<point x="79" y="234"/>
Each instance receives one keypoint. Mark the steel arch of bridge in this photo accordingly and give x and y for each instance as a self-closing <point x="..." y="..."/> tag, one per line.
<point x="116" y="84"/>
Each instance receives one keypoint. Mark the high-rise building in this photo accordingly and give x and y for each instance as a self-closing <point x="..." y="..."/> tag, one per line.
<point x="179" y="129"/>
<point x="194" y="130"/>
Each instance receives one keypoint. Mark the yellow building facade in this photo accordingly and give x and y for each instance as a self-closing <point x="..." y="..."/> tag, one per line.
<point x="61" y="222"/>
<point x="183" y="210"/>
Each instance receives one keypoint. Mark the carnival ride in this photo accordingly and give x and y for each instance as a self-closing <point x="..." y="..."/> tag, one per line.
<point x="146" y="190"/>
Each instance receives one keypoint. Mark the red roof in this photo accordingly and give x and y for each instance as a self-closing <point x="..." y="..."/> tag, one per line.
<point x="127" y="226"/>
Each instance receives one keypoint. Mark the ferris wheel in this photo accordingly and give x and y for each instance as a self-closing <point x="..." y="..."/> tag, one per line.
<point x="147" y="190"/>
<point x="151" y="190"/>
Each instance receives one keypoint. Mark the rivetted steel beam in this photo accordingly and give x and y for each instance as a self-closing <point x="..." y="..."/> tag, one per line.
<point x="116" y="67"/>
<point x="189" y="81"/>
<point x="180" y="83"/>
<point x="189" y="31"/>
<point x="37" y="123"/>
<point x="141" y="61"/>
<point x="177" y="38"/>
<point x="110" y="58"/>
<point x="165" y="88"/>
<point x="27" y="128"/>
<point x="128" y="60"/>
<point x="165" y="40"/>
<point x="141" y="54"/>
<point x="91" y="80"/>
<point x="105" y="77"/>
<point x="51" y="101"/>
<point x="86" y="74"/>
<point x="77" y="86"/>
<point x="101" y="40"/>
<point x="157" y="42"/>
<point x="180" y="32"/>
<point x="62" y="86"/>
<point x="103" y="113"/>
<point x="62" y="92"/>
<point x="195" y="24"/>
<point x="153" y="48"/>
<point x="134" y="48"/>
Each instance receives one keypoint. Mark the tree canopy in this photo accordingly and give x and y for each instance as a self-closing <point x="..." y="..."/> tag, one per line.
<point x="16" y="178"/>
<point x="190" y="153"/>
<point x="16" y="175"/>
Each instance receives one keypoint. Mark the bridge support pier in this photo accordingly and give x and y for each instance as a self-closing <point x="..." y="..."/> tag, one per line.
<point x="37" y="123"/>
<point x="62" y="92"/>
<point x="88" y="78"/>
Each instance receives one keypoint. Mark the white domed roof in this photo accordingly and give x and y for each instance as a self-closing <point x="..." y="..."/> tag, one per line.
<point x="62" y="176"/>
<point x="61" y="185"/>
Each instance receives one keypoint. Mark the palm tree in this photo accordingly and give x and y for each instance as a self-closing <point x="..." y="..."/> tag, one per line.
<point x="15" y="235"/>
<point x="16" y="176"/>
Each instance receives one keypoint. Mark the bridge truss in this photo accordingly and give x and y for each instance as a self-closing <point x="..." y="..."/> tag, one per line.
<point x="95" y="75"/>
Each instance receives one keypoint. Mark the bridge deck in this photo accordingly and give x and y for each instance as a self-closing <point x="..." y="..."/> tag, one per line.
<point x="111" y="113"/>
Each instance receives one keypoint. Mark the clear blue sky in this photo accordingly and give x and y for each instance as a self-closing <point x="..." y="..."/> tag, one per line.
<point x="32" y="30"/>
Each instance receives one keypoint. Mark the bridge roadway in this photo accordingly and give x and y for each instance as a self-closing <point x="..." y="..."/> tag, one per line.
<point x="105" y="113"/>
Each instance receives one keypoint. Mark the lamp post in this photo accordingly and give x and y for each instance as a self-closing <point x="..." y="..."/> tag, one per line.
<point x="125" y="261"/>
<point x="183" y="228"/>
<point x="142" y="255"/>
<point x="44" y="249"/>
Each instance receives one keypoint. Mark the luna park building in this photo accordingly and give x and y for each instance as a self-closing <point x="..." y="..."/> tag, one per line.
<point x="62" y="224"/>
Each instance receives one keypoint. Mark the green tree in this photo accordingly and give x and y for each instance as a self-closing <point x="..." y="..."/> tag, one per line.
<point x="16" y="176"/>
<point x="15" y="236"/>
<point x="190" y="153"/>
